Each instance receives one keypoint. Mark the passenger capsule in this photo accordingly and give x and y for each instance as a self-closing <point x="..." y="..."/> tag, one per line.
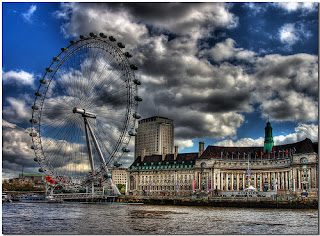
<point x="64" y="50"/>
<point x="38" y="94"/>
<point x="112" y="39"/>
<point x="121" y="45"/>
<point x="108" y="176"/>
<point x="32" y="147"/>
<point x="127" y="54"/>
<point x="136" y="115"/>
<point x="35" y="159"/>
<point x="102" y="35"/>
<point x="34" y="107"/>
<point x="33" y="134"/>
<point x="33" y="121"/>
<point x="93" y="35"/>
<point x="117" y="164"/>
<point x="49" y="69"/>
<point x="56" y="58"/>
<point x="133" y="67"/>
<point x="124" y="149"/>
<point x="137" y="82"/>
<point x="40" y="170"/>
<point x="73" y="42"/>
<point x="138" y="98"/>
<point x="83" y="37"/>
<point x="132" y="133"/>
<point x="43" y="81"/>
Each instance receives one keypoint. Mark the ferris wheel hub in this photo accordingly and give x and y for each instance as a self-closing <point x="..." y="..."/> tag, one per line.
<point x="84" y="113"/>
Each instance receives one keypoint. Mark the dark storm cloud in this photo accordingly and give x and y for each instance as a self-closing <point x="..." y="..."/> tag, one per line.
<point x="215" y="102"/>
<point x="177" y="76"/>
<point x="154" y="11"/>
<point x="286" y="87"/>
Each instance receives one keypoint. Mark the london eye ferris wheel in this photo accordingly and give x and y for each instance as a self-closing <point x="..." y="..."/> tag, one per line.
<point x="85" y="111"/>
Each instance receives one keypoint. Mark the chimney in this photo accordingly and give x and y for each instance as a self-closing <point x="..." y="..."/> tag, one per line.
<point x="143" y="154"/>
<point x="175" y="152"/>
<point x="201" y="148"/>
<point x="163" y="153"/>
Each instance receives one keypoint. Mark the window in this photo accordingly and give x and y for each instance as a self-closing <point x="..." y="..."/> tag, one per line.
<point x="303" y="160"/>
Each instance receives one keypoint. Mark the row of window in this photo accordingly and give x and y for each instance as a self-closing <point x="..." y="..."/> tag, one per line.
<point x="160" y="167"/>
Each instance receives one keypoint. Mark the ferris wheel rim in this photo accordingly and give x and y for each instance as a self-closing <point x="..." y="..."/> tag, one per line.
<point x="131" y="106"/>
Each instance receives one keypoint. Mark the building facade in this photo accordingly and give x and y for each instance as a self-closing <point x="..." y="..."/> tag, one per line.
<point x="154" y="136"/>
<point x="285" y="169"/>
<point x="119" y="175"/>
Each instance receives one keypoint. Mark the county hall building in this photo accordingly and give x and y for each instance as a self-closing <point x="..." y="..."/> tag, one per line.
<point x="287" y="169"/>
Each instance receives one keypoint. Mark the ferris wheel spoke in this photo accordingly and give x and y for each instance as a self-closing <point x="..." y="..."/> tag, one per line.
<point x="65" y="146"/>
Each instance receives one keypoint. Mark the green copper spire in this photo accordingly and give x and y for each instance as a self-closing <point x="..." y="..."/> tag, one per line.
<point x="268" y="139"/>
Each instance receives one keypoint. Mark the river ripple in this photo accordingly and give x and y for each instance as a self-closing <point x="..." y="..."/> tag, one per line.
<point x="67" y="218"/>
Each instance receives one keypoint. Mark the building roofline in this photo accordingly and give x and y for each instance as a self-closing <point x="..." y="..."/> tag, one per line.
<point x="155" y="117"/>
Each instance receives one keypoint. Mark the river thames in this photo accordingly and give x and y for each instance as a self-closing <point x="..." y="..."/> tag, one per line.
<point x="75" y="218"/>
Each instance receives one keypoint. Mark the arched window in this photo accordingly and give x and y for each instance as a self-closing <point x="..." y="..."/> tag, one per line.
<point x="303" y="160"/>
<point x="203" y="165"/>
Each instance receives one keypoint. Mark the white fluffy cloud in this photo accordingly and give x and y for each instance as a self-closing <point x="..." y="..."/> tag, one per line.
<point x="294" y="6"/>
<point x="226" y="50"/>
<point x="290" y="34"/>
<point x="182" y="144"/>
<point x="18" y="78"/>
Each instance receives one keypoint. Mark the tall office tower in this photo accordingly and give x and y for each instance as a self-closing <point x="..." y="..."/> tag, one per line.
<point x="155" y="135"/>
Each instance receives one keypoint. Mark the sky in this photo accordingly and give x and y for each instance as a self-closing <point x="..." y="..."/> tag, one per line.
<point x="219" y="70"/>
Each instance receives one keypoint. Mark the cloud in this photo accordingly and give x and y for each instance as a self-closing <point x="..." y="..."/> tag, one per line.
<point x="286" y="86"/>
<point x="294" y="6"/>
<point x="256" y="8"/>
<point x="290" y="33"/>
<point x="178" y="78"/>
<point x="302" y="132"/>
<point x="18" y="78"/>
<point x="291" y="106"/>
<point x="18" y="110"/>
<point x="226" y="50"/>
<point x="16" y="152"/>
<point x="29" y="14"/>
<point x="182" y="144"/>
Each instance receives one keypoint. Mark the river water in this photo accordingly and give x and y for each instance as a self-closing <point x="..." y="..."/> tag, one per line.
<point x="75" y="218"/>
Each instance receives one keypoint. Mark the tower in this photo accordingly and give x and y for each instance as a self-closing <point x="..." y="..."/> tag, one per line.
<point x="155" y="135"/>
<point x="268" y="139"/>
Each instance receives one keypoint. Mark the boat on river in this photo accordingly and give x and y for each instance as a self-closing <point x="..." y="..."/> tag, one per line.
<point x="37" y="199"/>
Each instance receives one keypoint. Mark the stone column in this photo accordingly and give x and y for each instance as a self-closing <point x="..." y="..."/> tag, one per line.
<point x="299" y="179"/>
<point x="255" y="180"/>
<point x="232" y="181"/>
<point x="243" y="181"/>
<point x="238" y="181"/>
<point x="308" y="179"/>
<point x="261" y="176"/>
<point x="226" y="179"/>
<point x="218" y="180"/>
<point x="137" y="181"/>
<point x="212" y="179"/>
